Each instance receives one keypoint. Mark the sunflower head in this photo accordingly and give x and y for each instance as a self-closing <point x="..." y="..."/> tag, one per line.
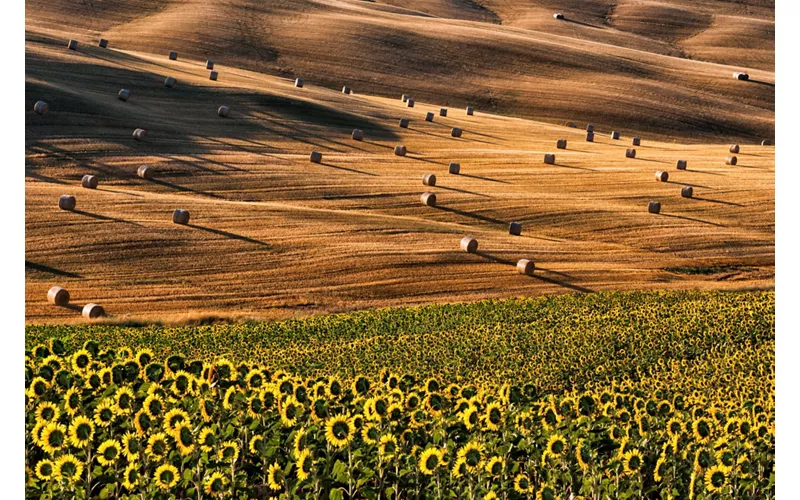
<point x="339" y="431"/>
<point x="228" y="452"/>
<point x="68" y="468"/>
<point x="522" y="484"/>
<point x="275" y="477"/>
<point x="716" y="478"/>
<point x="632" y="462"/>
<point x="430" y="460"/>
<point x="215" y="484"/>
<point x="166" y="476"/>
<point x="556" y="444"/>
<point x="53" y="437"/>
<point x="305" y="465"/>
<point x="108" y="452"/>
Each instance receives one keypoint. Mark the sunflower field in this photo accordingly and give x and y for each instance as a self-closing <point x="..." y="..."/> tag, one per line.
<point x="613" y="395"/>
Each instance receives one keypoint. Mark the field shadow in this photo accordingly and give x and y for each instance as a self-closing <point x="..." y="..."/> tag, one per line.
<point x="104" y="217"/>
<point x="51" y="270"/>
<point x="761" y="82"/>
<point x="730" y="203"/>
<point x="572" y="167"/>
<point x="706" y="172"/>
<point x="226" y="234"/>
<point x="464" y="191"/>
<point x="481" y="178"/>
<point x="581" y="23"/>
<point x="688" y="184"/>
<point x="353" y="170"/>
<point x="692" y="219"/>
<point x="537" y="274"/>
<point x="185" y="189"/>
<point x="471" y="215"/>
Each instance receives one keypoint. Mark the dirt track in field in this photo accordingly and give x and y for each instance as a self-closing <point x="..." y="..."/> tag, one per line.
<point x="272" y="235"/>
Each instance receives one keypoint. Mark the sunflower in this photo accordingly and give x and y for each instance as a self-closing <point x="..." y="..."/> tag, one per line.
<point x="435" y="404"/>
<point x="130" y="476"/>
<point x="174" y="417"/>
<point x="660" y="469"/>
<point x="716" y="478"/>
<point x="584" y="455"/>
<point x="556" y="445"/>
<point x="459" y="468"/>
<point x="546" y="492"/>
<point x="522" y="484"/>
<point x="632" y="462"/>
<point x="430" y="460"/>
<point x="470" y="416"/>
<point x="45" y="469"/>
<point x="275" y="477"/>
<point x="493" y="416"/>
<point x="702" y="459"/>
<point x="68" y="467"/>
<point x="143" y="357"/>
<point x="305" y="465"/>
<point x="184" y="438"/>
<point x="157" y="446"/>
<point x="53" y="437"/>
<point x="229" y="397"/>
<point x="108" y="452"/>
<point x="72" y="401"/>
<point x="290" y="411"/>
<point x="339" y="431"/>
<point x="207" y="439"/>
<point x="131" y="446"/>
<point x="495" y="466"/>
<point x="394" y="412"/>
<point x="701" y="428"/>
<point x="38" y="387"/>
<point x="166" y="476"/>
<point x="123" y="400"/>
<point x="674" y="427"/>
<point x="81" y="431"/>
<point x="472" y="454"/>
<point x="47" y="411"/>
<point x="257" y="445"/>
<point x="228" y="451"/>
<point x="142" y="423"/>
<point x="490" y="496"/>
<point x="388" y="446"/>
<point x="214" y="485"/>
<point x="104" y="413"/>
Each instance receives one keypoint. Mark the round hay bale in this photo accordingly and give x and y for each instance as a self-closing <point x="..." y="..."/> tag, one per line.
<point x="731" y="160"/>
<point x="146" y="172"/>
<point x="456" y="132"/>
<point x="429" y="179"/>
<point x="662" y="176"/>
<point x="103" y="43"/>
<point x="316" y="157"/>
<point x="213" y="75"/>
<point x="209" y="64"/>
<point x="173" y="56"/>
<point x="442" y="111"/>
<point x="140" y="134"/>
<point x="169" y="82"/>
<point x="558" y="15"/>
<point x="298" y="82"/>
<point x="734" y="149"/>
<point x="404" y="97"/>
<point x="429" y="117"/>
<point x="515" y="228"/>
<point x="630" y="153"/>
<point x="346" y="90"/>
<point x="550" y="159"/>
<point x="687" y="191"/>
<point x="72" y="45"/>
<point x="590" y="127"/>
<point x="526" y="267"/>
<point x="470" y="110"/>
<point x="636" y="141"/>
<point x="180" y="216"/>
<point x="469" y="244"/>
<point x="428" y="199"/>
<point x="400" y="150"/>
<point x="561" y="144"/>
<point x="741" y="76"/>
<point x="58" y="296"/>
<point x="403" y="122"/>
<point x="589" y="136"/>
<point x="766" y="142"/>
<point x="410" y="102"/>
<point x="224" y="111"/>
<point x="615" y="135"/>
<point x="571" y="125"/>
<point x="681" y="165"/>
<point x="654" y="207"/>
<point x="92" y="311"/>
<point x="454" y="168"/>
<point x="89" y="181"/>
<point x="357" y="135"/>
<point x="41" y="107"/>
<point x="66" y="202"/>
<point x="123" y="94"/>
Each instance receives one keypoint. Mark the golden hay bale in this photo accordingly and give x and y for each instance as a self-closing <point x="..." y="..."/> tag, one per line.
<point x="571" y="125"/>
<point x="630" y="153"/>
<point x="346" y="90"/>
<point x="654" y="207"/>
<point x="357" y="135"/>
<point x="561" y="144"/>
<point x="636" y="141"/>
<point x="180" y="216"/>
<point x="316" y="157"/>
<point x="123" y="94"/>
<point x="410" y="103"/>
<point x="766" y="142"/>
<point x="41" y="107"/>
<point x="224" y="111"/>
<point x="550" y="159"/>
<point x="734" y="148"/>
<point x="403" y="122"/>
<point x="213" y="75"/>
<point x="662" y="176"/>
<point x="140" y="134"/>
<point x="209" y="64"/>
<point x="470" y="110"/>
<point x="428" y="199"/>
<point x="526" y="267"/>
<point x="429" y="179"/>
<point x="558" y="16"/>
<point x="92" y="311"/>
<point x="103" y="43"/>
<point x="442" y="111"/>
<point x="515" y="228"/>
<point x="66" y="202"/>
<point x="681" y="165"/>
<point x="298" y="82"/>
<point x="169" y="82"/>
<point x="456" y="132"/>
<point x="731" y="160"/>
<point x="589" y="136"/>
<point x="146" y="172"/>
<point x="469" y="244"/>
<point x="58" y="296"/>
<point x="454" y="168"/>
<point x="615" y="135"/>
<point x="687" y="191"/>
<point x="72" y="45"/>
<point x="89" y="182"/>
<point x="429" y="116"/>
<point x="173" y="56"/>
<point x="400" y="150"/>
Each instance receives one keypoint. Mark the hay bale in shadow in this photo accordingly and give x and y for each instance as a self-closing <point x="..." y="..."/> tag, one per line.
<point x="681" y="165"/>
<point x="590" y="127"/>
<point x="429" y="179"/>
<point x="442" y="111"/>
<point x="558" y="16"/>
<point x="72" y="45"/>
<point x="316" y="157"/>
<point x="766" y="142"/>
<point x="103" y="43"/>
<point x="403" y="122"/>
<point x="173" y="56"/>
<point x="410" y="103"/>
<point x="589" y="136"/>
<point x="146" y="172"/>
<point x="224" y="111"/>
<point x="561" y="144"/>
<point x="346" y="90"/>
<point x="734" y="149"/>
<point x="400" y="150"/>
<point x="405" y="97"/>
<point x="454" y="168"/>
<point x="429" y="116"/>
<point x="731" y="160"/>
<point x="89" y="181"/>
<point x="298" y="82"/>
<point x="92" y="311"/>
<point x="741" y="76"/>
<point x="357" y="135"/>
<point x="66" y="202"/>
<point x="630" y="153"/>
<point x="213" y="76"/>
<point x="550" y="158"/>
<point x="41" y="107"/>
<point x="180" y="216"/>
<point x="526" y="267"/>
<point x="515" y="228"/>
<point x="662" y="176"/>
<point x="456" y="132"/>
<point x="615" y="135"/>
<point x="209" y="64"/>
<point x="428" y="199"/>
<point x="469" y="244"/>
<point x="470" y="110"/>
<point x="170" y="82"/>
<point x="687" y="191"/>
<point x="636" y="141"/>
<point x="58" y="296"/>
<point x="140" y="134"/>
<point x="654" y="207"/>
<point x="123" y="94"/>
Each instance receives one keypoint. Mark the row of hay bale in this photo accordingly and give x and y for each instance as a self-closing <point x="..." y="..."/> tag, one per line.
<point x="524" y="266"/>
<point x="59" y="296"/>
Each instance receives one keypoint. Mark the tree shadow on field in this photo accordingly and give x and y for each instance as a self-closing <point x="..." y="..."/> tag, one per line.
<point x="573" y="167"/>
<point x="538" y="273"/>
<point x="185" y="189"/>
<point x="692" y="219"/>
<point x="730" y="203"/>
<point x="51" y="270"/>
<point x="470" y="215"/>
<point x="104" y="217"/>
<point x="353" y="170"/>
<point x="688" y="184"/>
<point x="463" y="191"/>
<point x="226" y="234"/>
